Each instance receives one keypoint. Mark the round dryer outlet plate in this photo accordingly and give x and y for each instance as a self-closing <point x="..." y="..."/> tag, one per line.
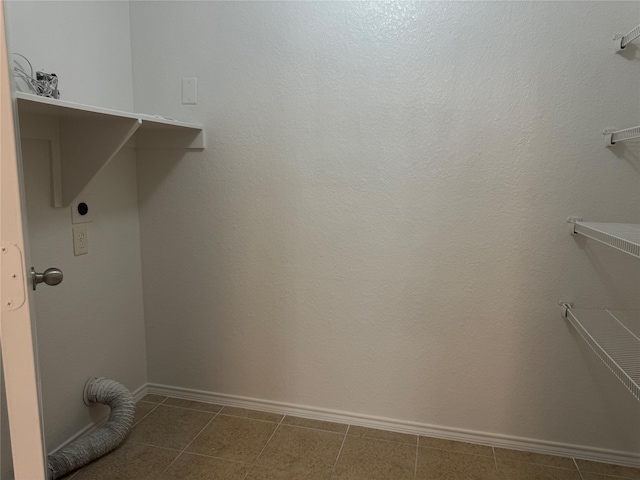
<point x="85" y="392"/>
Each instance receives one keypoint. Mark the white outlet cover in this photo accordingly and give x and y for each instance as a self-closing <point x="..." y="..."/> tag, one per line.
<point x="80" y="240"/>
<point x="75" y="215"/>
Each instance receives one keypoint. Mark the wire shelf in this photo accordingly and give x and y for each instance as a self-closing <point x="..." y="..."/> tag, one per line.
<point x="621" y="41"/>
<point x="611" y="137"/>
<point x="621" y="236"/>
<point x="614" y="336"/>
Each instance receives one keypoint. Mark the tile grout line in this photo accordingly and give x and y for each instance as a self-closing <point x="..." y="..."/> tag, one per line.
<point x="415" y="467"/>
<point x="578" y="468"/>
<point x="155" y="406"/>
<point x="382" y="440"/>
<point x="263" y="448"/>
<point x="154" y="446"/>
<point x="344" y="440"/>
<point x="464" y="453"/>
<point x="315" y="429"/>
<point x="346" y="434"/>
<point x="188" y="444"/>
<point x="192" y="409"/>
<point x="246" y="418"/>
<point x="201" y="430"/>
<point x="215" y="457"/>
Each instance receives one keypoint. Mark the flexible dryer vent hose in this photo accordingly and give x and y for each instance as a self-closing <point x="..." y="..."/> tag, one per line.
<point x="104" y="439"/>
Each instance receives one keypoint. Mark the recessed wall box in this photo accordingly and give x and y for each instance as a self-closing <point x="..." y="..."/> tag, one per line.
<point x="82" y="209"/>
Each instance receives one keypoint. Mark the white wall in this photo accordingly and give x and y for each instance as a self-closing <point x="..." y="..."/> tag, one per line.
<point x="87" y="44"/>
<point x="92" y="323"/>
<point x="378" y="225"/>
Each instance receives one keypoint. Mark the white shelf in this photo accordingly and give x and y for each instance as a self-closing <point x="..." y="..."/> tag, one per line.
<point x="614" y="336"/>
<point x="60" y="108"/>
<point x="85" y="138"/>
<point x="621" y="41"/>
<point x="621" y="236"/>
<point x="611" y="137"/>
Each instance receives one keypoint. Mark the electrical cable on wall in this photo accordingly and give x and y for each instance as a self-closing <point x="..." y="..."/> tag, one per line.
<point x="43" y="84"/>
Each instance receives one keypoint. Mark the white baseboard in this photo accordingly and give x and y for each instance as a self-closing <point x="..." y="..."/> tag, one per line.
<point x="138" y="393"/>
<point x="495" y="440"/>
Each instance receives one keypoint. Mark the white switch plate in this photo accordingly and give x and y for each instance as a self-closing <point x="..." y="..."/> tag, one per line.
<point x="80" y="241"/>
<point x="189" y="91"/>
<point x="76" y="217"/>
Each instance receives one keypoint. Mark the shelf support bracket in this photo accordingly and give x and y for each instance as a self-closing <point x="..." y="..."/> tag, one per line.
<point x="572" y="224"/>
<point x="621" y="41"/>
<point x="87" y="146"/>
<point x="611" y="137"/>
<point x="566" y="306"/>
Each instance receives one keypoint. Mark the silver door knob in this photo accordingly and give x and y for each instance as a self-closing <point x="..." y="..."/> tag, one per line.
<point x="51" y="276"/>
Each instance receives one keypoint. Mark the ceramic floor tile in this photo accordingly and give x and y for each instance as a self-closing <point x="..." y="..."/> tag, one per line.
<point x="264" y="473"/>
<point x="130" y="461"/>
<point x="317" y="424"/>
<point x="305" y="452"/>
<point x="597" y="476"/>
<point x="234" y="438"/>
<point x="586" y="466"/>
<point x="142" y="409"/>
<point x="530" y="471"/>
<point x="504" y="455"/>
<point x="170" y="427"/>
<point x="205" y="407"/>
<point x="151" y="398"/>
<point x="253" y="414"/>
<point x="436" y="464"/>
<point x="369" y="459"/>
<point x="461" y="447"/>
<point x="197" y="467"/>
<point x="382" y="435"/>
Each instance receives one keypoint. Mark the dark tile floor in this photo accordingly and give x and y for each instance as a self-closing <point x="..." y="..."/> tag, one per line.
<point x="181" y="439"/>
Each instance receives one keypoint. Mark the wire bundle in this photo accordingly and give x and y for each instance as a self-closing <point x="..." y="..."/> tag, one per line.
<point x="44" y="84"/>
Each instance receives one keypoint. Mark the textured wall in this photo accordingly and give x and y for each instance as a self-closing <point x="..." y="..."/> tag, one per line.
<point x="87" y="44"/>
<point x="378" y="223"/>
<point x="92" y="323"/>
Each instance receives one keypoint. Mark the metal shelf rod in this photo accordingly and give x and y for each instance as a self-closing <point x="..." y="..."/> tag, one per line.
<point x="611" y="340"/>
<point x="621" y="41"/>
<point x="621" y="236"/>
<point x="611" y="137"/>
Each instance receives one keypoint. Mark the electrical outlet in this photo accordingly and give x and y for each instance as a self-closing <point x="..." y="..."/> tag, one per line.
<point x="80" y="241"/>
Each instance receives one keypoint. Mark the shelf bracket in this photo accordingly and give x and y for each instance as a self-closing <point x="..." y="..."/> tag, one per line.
<point x="566" y="306"/>
<point x="621" y="41"/>
<point x="572" y="224"/>
<point x="83" y="139"/>
<point x="87" y="147"/>
<point x="624" y="237"/>
<point x="611" y="137"/>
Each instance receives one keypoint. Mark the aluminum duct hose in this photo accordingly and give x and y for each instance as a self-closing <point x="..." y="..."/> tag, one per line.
<point x="104" y="439"/>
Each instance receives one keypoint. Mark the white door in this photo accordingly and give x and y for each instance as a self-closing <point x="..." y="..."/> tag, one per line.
<point x="16" y="327"/>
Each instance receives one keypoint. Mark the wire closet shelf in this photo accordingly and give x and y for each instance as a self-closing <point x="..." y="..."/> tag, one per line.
<point x="621" y="236"/>
<point x="614" y="336"/>
<point x="621" y="41"/>
<point x="612" y="137"/>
